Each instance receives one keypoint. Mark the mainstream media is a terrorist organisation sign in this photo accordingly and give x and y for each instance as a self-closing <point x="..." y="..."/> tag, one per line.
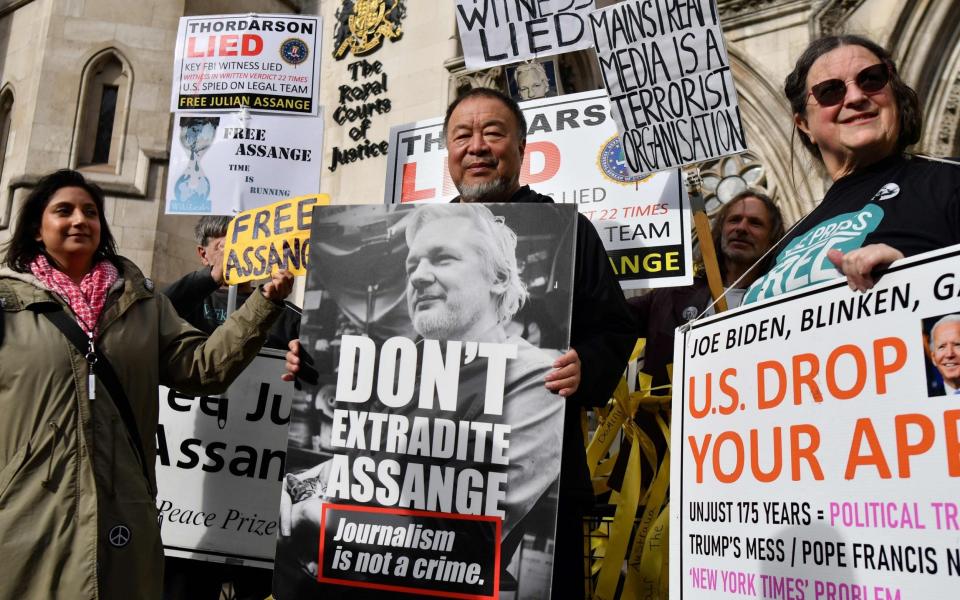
<point x="574" y="155"/>
<point x="667" y="71"/>
<point x="818" y="443"/>
<point x="425" y="457"/>
<point x="261" y="62"/>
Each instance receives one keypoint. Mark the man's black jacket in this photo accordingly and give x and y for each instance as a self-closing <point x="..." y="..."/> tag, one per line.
<point x="603" y="333"/>
<point x="200" y="301"/>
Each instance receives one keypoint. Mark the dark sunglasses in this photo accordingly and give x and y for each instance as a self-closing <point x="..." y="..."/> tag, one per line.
<point x="870" y="80"/>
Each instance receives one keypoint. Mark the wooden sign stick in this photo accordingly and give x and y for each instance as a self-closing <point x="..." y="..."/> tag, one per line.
<point x="707" y="251"/>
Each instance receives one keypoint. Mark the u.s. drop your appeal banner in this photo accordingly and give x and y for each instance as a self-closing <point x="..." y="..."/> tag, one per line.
<point x="815" y="455"/>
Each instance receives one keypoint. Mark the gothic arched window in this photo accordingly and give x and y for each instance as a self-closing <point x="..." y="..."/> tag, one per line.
<point x="101" y="118"/>
<point x="6" y="120"/>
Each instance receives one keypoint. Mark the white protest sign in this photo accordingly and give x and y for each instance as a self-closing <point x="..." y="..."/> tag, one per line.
<point x="262" y="62"/>
<point x="495" y="32"/>
<point x="815" y="455"/>
<point x="230" y="162"/>
<point x="219" y="465"/>
<point x="668" y="75"/>
<point x="436" y="467"/>
<point x="573" y="154"/>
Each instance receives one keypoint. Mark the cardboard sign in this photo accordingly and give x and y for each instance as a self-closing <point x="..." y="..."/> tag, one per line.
<point x="814" y="456"/>
<point x="434" y="466"/>
<point x="219" y="466"/>
<point x="223" y="164"/>
<point x="261" y="62"/>
<point x="497" y="33"/>
<point x="270" y="238"/>
<point x="573" y="154"/>
<point x="668" y="75"/>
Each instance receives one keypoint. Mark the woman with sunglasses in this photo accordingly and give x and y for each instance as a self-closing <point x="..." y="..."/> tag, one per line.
<point x="856" y="117"/>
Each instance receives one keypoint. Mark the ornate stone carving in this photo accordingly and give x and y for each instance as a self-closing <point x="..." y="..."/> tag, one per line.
<point x="831" y="16"/>
<point x="740" y="13"/>
<point x="486" y="78"/>
<point x="946" y="142"/>
<point x="728" y="176"/>
<point x="462" y="80"/>
<point x="734" y="8"/>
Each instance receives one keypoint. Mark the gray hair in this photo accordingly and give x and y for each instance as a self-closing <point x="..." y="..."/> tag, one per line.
<point x="954" y="318"/>
<point x="210" y="226"/>
<point x="495" y="243"/>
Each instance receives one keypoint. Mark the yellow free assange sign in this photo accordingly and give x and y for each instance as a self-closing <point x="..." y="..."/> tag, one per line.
<point x="269" y="238"/>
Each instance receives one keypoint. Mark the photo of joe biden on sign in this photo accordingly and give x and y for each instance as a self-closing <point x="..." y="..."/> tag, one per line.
<point x="944" y="348"/>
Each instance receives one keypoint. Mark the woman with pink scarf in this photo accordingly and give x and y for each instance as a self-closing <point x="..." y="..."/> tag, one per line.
<point x="84" y="342"/>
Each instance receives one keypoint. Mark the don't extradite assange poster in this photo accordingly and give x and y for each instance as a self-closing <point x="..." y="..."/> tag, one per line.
<point x="424" y="453"/>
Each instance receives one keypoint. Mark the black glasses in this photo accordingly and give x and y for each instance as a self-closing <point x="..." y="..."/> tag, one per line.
<point x="870" y="80"/>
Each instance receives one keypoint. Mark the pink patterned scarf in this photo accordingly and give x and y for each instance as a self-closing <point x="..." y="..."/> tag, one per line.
<point x="87" y="299"/>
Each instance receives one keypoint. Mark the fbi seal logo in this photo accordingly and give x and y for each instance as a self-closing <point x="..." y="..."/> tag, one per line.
<point x="294" y="51"/>
<point x="613" y="165"/>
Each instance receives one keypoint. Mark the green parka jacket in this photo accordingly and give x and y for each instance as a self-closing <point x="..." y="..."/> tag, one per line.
<point x="78" y="520"/>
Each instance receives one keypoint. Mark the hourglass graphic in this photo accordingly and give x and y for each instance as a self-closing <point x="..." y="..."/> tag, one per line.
<point x="192" y="190"/>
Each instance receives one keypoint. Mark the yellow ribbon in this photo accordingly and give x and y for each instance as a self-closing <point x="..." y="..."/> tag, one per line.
<point x="647" y="557"/>
<point x="620" y="529"/>
<point x="608" y="428"/>
<point x="646" y="567"/>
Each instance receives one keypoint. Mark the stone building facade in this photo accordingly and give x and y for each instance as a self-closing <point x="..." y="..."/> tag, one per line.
<point x="63" y="63"/>
<point x="57" y="55"/>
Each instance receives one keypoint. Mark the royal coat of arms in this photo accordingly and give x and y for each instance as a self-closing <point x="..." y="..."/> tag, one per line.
<point x="362" y="25"/>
